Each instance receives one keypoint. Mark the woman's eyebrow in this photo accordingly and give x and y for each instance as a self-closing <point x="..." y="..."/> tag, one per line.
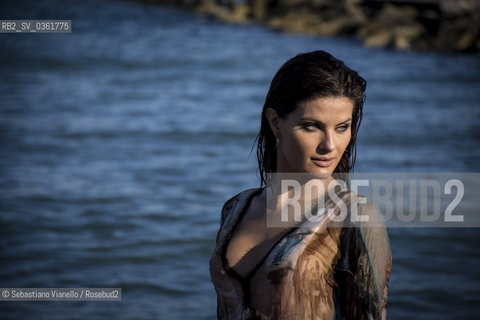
<point x="320" y="122"/>
<point x="345" y="121"/>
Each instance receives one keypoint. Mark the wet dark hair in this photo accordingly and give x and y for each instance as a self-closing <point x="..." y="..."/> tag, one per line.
<point x="302" y="78"/>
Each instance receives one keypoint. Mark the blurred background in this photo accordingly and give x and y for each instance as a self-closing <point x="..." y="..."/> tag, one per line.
<point x="120" y="142"/>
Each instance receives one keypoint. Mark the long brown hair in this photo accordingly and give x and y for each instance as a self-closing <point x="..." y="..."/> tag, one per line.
<point x="304" y="77"/>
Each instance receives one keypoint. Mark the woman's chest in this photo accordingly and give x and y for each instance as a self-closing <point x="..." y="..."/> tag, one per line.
<point x="297" y="275"/>
<point x="250" y="244"/>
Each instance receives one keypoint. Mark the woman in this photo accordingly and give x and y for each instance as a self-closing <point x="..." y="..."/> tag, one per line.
<point x="314" y="268"/>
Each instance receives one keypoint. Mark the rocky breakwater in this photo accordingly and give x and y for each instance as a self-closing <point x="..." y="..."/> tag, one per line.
<point x="427" y="25"/>
<point x="439" y="25"/>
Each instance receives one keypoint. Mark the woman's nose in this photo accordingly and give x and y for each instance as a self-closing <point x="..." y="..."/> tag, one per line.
<point x="327" y="143"/>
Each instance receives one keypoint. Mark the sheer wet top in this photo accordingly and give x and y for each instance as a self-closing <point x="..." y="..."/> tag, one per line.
<point x="316" y="270"/>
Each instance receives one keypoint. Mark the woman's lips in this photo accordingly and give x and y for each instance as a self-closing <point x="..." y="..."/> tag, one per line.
<point x="323" y="162"/>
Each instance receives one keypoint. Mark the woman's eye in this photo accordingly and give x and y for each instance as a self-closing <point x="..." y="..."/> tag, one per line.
<point x="309" y="127"/>
<point x="343" y="128"/>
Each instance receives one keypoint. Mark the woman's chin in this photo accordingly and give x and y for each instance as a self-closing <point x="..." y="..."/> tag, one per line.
<point x="320" y="173"/>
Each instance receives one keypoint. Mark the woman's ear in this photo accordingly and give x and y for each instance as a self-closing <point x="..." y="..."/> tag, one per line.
<point x="273" y="121"/>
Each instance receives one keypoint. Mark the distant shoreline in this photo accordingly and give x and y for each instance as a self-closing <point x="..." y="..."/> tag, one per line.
<point x="416" y="25"/>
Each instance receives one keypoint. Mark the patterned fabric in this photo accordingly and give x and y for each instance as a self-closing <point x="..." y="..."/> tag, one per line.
<point x="318" y="270"/>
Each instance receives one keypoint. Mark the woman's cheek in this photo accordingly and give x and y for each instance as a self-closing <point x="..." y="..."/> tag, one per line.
<point x="302" y="145"/>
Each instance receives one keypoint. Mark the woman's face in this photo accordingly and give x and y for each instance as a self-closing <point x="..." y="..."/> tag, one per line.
<point x="313" y="138"/>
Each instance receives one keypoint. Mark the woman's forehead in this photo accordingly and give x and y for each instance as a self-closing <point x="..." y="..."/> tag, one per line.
<point x="331" y="107"/>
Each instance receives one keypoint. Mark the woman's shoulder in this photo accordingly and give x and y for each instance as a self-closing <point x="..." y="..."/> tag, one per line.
<point x="239" y="198"/>
<point x="363" y="211"/>
<point x="367" y="219"/>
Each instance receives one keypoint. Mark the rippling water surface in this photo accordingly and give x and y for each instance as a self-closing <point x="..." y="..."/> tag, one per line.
<point x="120" y="142"/>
